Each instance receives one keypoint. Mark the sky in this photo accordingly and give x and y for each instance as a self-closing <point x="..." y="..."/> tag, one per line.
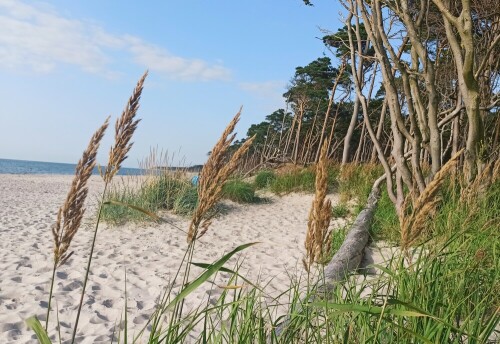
<point x="67" y="65"/>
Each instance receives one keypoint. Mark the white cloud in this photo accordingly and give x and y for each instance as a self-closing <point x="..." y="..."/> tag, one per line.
<point x="182" y="68"/>
<point x="39" y="39"/>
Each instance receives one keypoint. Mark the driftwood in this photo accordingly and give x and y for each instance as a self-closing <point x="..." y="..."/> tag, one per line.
<point x="350" y="254"/>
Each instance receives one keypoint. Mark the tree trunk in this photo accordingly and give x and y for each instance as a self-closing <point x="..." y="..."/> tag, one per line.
<point x="328" y="110"/>
<point x="462" y="47"/>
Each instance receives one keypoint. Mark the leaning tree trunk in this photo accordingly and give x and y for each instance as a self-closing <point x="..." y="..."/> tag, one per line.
<point x="462" y="47"/>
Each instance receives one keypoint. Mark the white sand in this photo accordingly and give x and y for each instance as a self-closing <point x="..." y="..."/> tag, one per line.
<point x="150" y="254"/>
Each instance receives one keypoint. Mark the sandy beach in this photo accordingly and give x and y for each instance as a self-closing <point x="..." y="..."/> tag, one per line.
<point x="150" y="253"/>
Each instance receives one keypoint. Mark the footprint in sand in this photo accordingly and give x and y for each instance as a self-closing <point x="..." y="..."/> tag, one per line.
<point x="72" y="286"/>
<point x="140" y="304"/>
<point x="13" y="329"/>
<point x="103" y="339"/>
<point x="62" y="275"/>
<point x="12" y="306"/>
<point x="107" y="303"/>
<point x="44" y="270"/>
<point x="141" y="319"/>
<point x="64" y="324"/>
<point x="98" y="318"/>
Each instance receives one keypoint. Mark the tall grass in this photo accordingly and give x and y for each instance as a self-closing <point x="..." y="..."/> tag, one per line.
<point x="239" y="191"/>
<point x="152" y="193"/>
<point x="264" y="179"/>
<point x="294" y="181"/>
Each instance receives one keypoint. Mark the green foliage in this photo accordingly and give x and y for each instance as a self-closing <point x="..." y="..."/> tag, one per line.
<point x="293" y="181"/>
<point x="337" y="239"/>
<point x="312" y="81"/>
<point x="239" y="191"/>
<point x="385" y="220"/>
<point x="264" y="179"/>
<point x="340" y="210"/>
<point x="186" y="201"/>
<point x="34" y="324"/>
<point x="356" y="181"/>
<point x="340" y="41"/>
<point x="267" y="132"/>
<point x="118" y="214"/>
<point x="163" y="192"/>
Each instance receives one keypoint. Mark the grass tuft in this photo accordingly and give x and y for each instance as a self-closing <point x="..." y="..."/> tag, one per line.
<point x="239" y="191"/>
<point x="340" y="210"/>
<point x="186" y="202"/>
<point x="294" y="181"/>
<point x="264" y="179"/>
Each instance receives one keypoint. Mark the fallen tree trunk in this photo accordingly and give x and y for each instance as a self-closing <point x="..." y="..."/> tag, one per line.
<point x="349" y="255"/>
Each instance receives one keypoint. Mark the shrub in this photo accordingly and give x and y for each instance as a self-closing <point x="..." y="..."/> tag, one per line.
<point x="264" y="178"/>
<point x="385" y="220"/>
<point x="239" y="191"/>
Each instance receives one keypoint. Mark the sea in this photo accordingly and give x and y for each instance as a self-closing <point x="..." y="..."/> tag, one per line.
<point x="9" y="166"/>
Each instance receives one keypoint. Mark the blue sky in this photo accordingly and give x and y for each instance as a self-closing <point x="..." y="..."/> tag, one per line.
<point x="66" y="65"/>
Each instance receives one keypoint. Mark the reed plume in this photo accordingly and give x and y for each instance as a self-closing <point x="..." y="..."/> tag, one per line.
<point x="318" y="236"/>
<point x="124" y="130"/>
<point x="480" y="185"/>
<point x="125" y="127"/>
<point x="214" y="175"/>
<point x="425" y="206"/>
<point x="70" y="214"/>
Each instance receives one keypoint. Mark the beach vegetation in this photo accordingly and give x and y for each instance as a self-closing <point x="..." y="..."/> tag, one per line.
<point x="297" y="180"/>
<point x="264" y="179"/>
<point x="239" y="191"/>
<point x="186" y="201"/>
<point x="340" y="210"/>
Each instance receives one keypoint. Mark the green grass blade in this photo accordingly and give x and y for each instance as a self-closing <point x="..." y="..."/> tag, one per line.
<point x="188" y="289"/>
<point x="374" y="310"/>
<point x="34" y="324"/>
<point x="223" y="269"/>
<point x="142" y="210"/>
